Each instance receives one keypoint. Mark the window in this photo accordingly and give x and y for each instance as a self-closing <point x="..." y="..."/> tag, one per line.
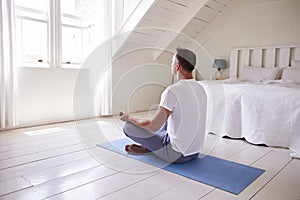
<point x="56" y="33"/>
<point x="32" y="27"/>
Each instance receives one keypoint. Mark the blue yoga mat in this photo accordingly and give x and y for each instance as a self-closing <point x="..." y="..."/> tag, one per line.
<point x="225" y="175"/>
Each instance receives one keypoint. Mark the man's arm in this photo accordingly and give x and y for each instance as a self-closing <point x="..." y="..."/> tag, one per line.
<point x="154" y="124"/>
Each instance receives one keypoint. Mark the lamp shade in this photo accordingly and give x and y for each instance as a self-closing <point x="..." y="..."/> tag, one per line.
<point x="219" y="63"/>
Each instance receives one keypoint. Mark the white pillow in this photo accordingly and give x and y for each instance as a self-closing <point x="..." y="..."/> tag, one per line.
<point x="258" y="74"/>
<point x="291" y="74"/>
<point x="295" y="63"/>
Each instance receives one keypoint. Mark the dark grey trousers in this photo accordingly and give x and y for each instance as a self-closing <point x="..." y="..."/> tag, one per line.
<point x="158" y="143"/>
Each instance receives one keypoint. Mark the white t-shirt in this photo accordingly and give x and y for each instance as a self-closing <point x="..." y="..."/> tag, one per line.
<point x="186" y="124"/>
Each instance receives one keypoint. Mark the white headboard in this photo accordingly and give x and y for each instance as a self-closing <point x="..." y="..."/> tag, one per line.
<point x="274" y="56"/>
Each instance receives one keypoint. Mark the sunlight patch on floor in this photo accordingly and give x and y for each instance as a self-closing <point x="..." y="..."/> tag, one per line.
<point x="44" y="131"/>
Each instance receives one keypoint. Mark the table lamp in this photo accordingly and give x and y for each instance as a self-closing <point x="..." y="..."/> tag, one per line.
<point x="219" y="64"/>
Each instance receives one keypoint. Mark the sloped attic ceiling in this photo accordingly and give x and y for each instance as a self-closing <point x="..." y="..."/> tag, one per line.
<point x="168" y="24"/>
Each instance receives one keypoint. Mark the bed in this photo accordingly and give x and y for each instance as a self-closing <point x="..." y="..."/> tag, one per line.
<point x="261" y="100"/>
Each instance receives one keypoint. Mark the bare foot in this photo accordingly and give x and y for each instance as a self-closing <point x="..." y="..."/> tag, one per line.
<point x="136" y="149"/>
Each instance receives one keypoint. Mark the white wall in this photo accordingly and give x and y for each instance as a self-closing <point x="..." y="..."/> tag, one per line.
<point x="47" y="95"/>
<point x="138" y="81"/>
<point x="256" y="24"/>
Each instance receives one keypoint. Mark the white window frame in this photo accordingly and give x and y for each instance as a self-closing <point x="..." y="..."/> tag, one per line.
<point x="43" y="63"/>
<point x="54" y="38"/>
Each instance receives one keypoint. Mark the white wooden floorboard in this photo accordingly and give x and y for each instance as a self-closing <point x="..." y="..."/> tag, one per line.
<point x="230" y="148"/>
<point x="148" y="188"/>
<point x="60" y="171"/>
<point x="42" y="165"/>
<point x="68" y="165"/>
<point x="60" y="185"/>
<point x="31" y="144"/>
<point x="21" y="160"/>
<point x="272" y="162"/>
<point x="31" y="149"/>
<point x="35" y="175"/>
<point x="286" y="185"/>
<point x="250" y="155"/>
<point x="225" y="148"/>
<point x="19" y="136"/>
<point x="104" y="186"/>
<point x="13" y="185"/>
<point x="188" y="189"/>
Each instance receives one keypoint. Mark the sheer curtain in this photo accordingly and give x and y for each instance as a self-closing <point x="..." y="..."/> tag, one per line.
<point x="104" y="88"/>
<point x="8" y="73"/>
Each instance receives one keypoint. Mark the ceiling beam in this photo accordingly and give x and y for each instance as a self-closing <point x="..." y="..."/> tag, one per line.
<point x="178" y="26"/>
<point x="136" y="16"/>
<point x="219" y="21"/>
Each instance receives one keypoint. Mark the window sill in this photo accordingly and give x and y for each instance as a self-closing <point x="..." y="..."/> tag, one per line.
<point x="47" y="66"/>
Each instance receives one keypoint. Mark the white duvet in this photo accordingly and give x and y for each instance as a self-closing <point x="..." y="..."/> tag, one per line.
<point x="262" y="113"/>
